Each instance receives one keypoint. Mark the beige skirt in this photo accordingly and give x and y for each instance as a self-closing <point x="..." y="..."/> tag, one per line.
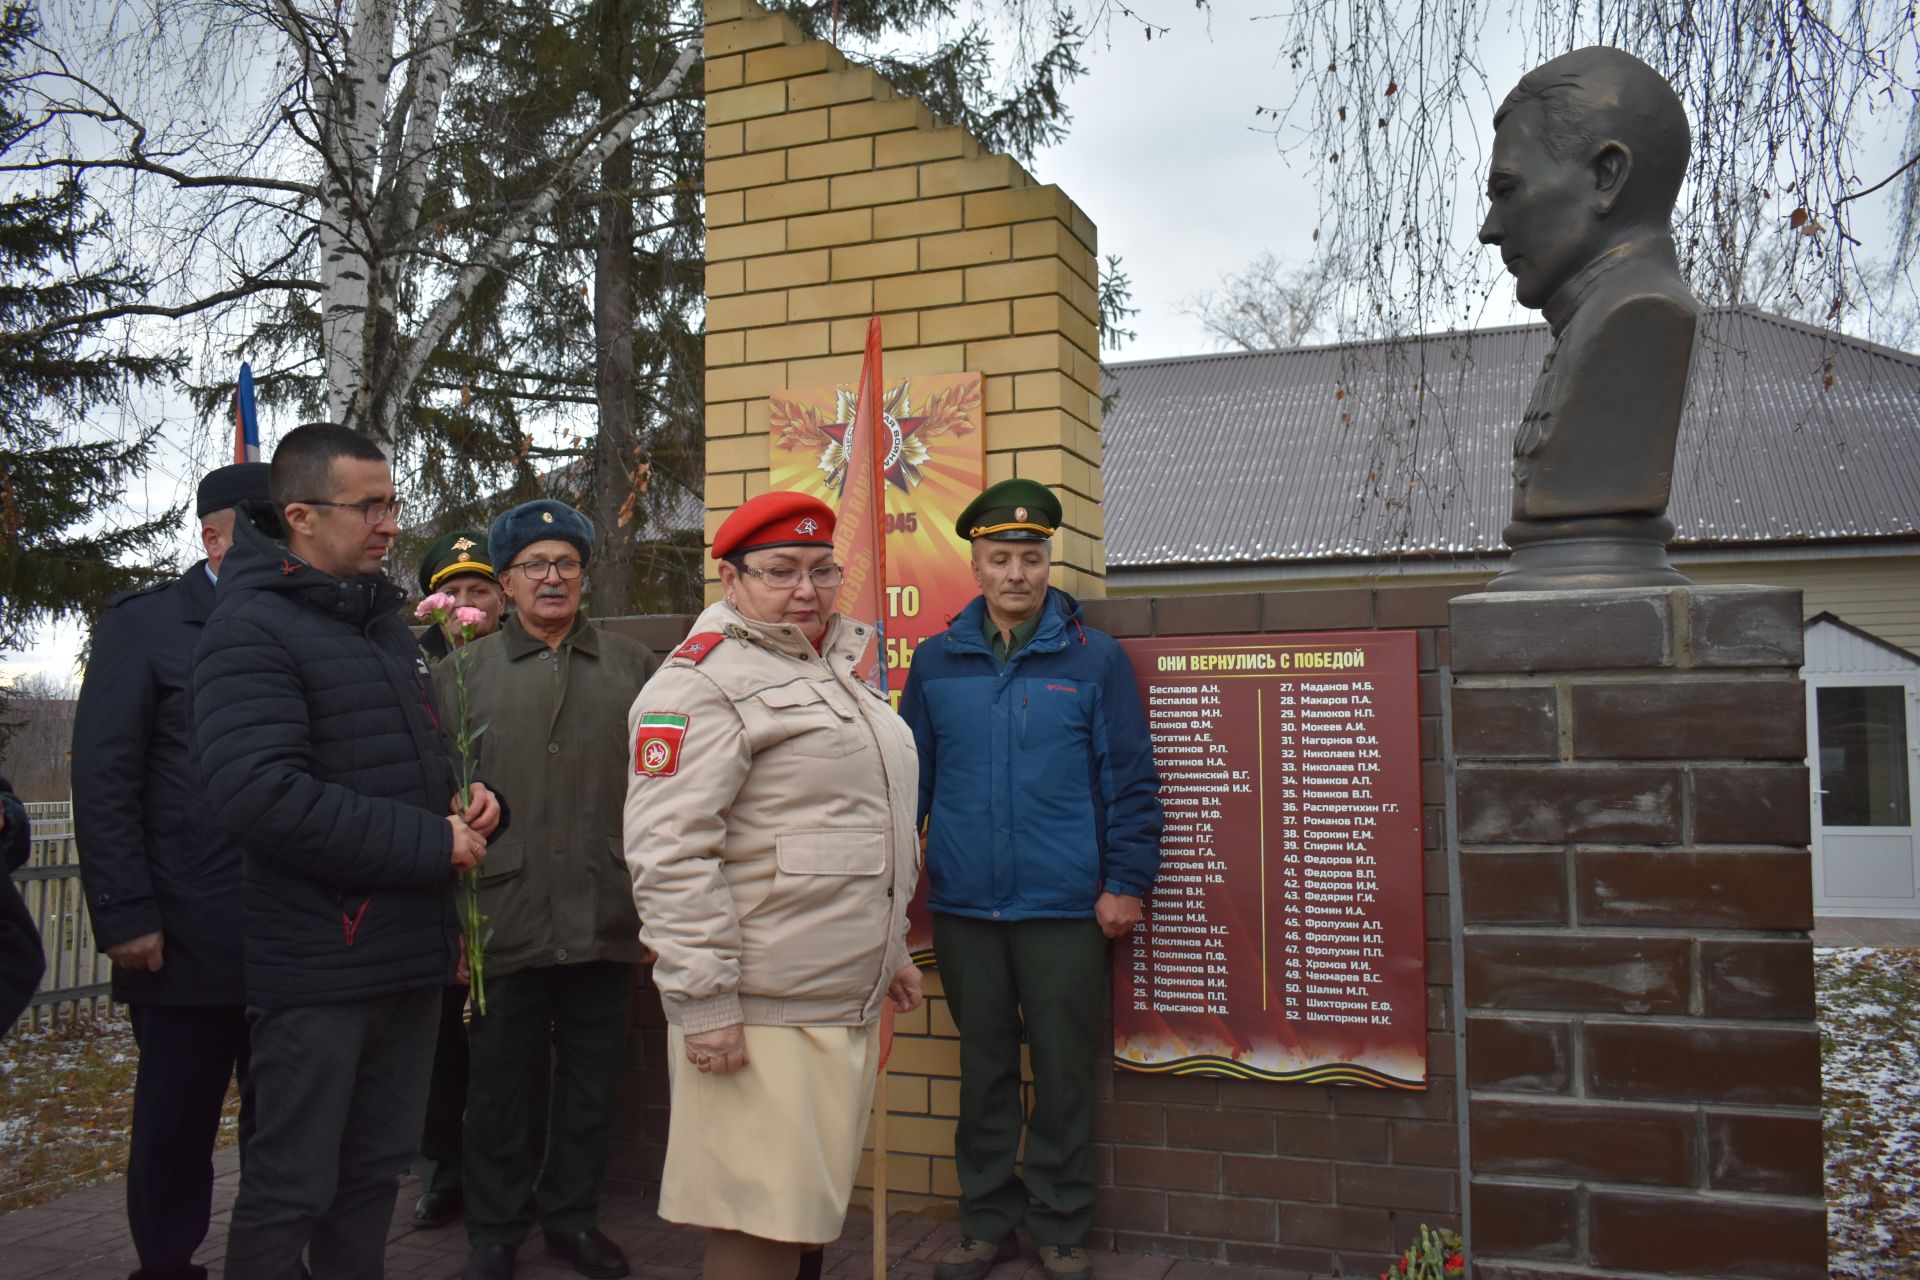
<point x="770" y="1150"/>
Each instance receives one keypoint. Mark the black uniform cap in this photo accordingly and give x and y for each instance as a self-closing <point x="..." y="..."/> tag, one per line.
<point x="230" y="486"/>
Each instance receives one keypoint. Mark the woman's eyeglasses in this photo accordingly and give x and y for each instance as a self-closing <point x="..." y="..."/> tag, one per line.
<point x="785" y="577"/>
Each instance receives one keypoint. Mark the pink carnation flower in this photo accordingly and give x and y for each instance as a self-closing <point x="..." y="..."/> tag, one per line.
<point x="437" y="603"/>
<point x="468" y="616"/>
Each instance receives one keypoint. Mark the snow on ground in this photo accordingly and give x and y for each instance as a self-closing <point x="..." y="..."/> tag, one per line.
<point x="66" y="1101"/>
<point x="1870" y="1066"/>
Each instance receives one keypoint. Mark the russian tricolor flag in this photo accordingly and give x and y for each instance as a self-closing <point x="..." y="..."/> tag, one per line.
<point x="246" y="425"/>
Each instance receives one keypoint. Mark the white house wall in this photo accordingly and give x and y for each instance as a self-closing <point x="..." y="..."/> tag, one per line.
<point x="1833" y="651"/>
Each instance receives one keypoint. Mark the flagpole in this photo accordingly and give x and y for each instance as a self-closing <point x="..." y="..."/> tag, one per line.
<point x="860" y="544"/>
<point x="880" y="1172"/>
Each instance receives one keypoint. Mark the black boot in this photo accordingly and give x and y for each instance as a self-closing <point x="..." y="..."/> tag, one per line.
<point x="591" y="1254"/>
<point x="489" y="1262"/>
<point x="437" y="1208"/>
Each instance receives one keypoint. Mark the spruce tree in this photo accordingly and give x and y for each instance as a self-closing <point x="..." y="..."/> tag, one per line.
<point x="602" y="306"/>
<point x="61" y="551"/>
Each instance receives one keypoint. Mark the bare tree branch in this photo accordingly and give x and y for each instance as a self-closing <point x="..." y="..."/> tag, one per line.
<point x="123" y="310"/>
<point x="585" y="158"/>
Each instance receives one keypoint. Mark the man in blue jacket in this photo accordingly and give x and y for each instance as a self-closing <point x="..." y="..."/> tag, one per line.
<point x="1038" y="795"/>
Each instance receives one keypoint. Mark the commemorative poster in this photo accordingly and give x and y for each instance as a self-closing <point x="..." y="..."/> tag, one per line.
<point x="1284" y="940"/>
<point x="935" y="466"/>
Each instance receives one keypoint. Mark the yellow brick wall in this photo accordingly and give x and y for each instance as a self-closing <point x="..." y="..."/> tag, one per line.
<point x="923" y="1099"/>
<point x="830" y="197"/>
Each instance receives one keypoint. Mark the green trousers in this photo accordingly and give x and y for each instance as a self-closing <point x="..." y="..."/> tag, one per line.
<point x="582" y="1011"/>
<point x="1042" y="981"/>
<point x="438" y="1167"/>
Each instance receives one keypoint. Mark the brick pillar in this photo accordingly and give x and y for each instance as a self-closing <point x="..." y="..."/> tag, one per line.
<point x="1643" y="1065"/>
<point x="832" y="197"/>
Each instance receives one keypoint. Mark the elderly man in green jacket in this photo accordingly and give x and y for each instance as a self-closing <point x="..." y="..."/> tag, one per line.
<point x="553" y="690"/>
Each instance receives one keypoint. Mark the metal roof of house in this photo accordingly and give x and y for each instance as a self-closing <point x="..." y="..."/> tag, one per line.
<point x="1386" y="449"/>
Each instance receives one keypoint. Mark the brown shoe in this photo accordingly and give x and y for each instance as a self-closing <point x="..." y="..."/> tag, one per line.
<point x="1065" y="1260"/>
<point x="971" y="1259"/>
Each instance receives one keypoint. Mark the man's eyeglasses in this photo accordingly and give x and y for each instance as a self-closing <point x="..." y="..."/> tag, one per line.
<point x="785" y="577"/>
<point x="537" y="570"/>
<point x="373" y="510"/>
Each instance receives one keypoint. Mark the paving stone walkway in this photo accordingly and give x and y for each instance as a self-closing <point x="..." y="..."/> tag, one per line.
<point x="84" y="1235"/>
<point x="1865" y="931"/>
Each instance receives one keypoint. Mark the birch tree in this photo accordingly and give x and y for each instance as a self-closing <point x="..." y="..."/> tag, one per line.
<point x="276" y="156"/>
<point x="602" y="306"/>
<point x="473" y="230"/>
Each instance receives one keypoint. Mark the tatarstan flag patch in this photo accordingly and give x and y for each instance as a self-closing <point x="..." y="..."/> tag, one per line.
<point x="656" y="744"/>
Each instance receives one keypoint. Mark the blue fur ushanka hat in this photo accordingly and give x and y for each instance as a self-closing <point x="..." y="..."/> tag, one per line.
<point x="536" y="521"/>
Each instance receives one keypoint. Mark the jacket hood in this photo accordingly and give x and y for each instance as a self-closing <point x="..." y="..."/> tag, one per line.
<point x="1058" y="615"/>
<point x="259" y="561"/>
<point x="843" y="636"/>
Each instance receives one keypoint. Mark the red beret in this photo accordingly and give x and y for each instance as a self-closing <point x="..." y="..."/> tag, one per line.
<point x="777" y="518"/>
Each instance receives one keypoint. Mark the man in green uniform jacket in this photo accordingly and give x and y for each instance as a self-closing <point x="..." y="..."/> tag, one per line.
<point x="455" y="563"/>
<point x="553" y="691"/>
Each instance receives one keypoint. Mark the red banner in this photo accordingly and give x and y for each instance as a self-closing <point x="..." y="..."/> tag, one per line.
<point x="938" y="467"/>
<point x="859" y="539"/>
<point x="1285" y="939"/>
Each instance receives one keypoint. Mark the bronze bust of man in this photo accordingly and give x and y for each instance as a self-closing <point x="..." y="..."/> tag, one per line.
<point x="1588" y="154"/>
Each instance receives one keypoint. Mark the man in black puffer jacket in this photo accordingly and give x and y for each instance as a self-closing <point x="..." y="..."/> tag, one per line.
<point x="318" y="740"/>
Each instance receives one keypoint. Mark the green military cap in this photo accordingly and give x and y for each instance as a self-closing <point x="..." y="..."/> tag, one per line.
<point x="1011" y="511"/>
<point x="452" y="554"/>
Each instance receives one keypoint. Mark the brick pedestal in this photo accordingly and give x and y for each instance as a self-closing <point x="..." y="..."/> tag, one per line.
<point x="1643" y="1066"/>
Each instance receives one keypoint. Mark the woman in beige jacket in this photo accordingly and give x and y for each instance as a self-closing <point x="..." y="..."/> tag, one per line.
<point x="770" y="834"/>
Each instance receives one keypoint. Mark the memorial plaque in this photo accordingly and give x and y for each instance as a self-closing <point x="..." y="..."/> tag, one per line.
<point x="1285" y="937"/>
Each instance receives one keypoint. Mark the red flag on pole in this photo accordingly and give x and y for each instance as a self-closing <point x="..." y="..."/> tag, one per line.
<point x="860" y="537"/>
<point x="860" y="546"/>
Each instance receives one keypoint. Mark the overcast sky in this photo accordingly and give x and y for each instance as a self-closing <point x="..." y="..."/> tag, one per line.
<point x="1165" y="156"/>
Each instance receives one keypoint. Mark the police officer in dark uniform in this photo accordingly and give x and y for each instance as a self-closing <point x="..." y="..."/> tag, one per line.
<point x="456" y="563"/>
<point x="163" y="887"/>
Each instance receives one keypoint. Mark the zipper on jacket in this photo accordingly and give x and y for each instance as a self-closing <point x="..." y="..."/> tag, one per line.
<point x="350" y="924"/>
<point x="886" y="790"/>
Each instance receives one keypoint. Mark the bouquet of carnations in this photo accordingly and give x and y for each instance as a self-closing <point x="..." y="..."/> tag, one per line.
<point x="461" y="623"/>
<point x="1435" y="1255"/>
